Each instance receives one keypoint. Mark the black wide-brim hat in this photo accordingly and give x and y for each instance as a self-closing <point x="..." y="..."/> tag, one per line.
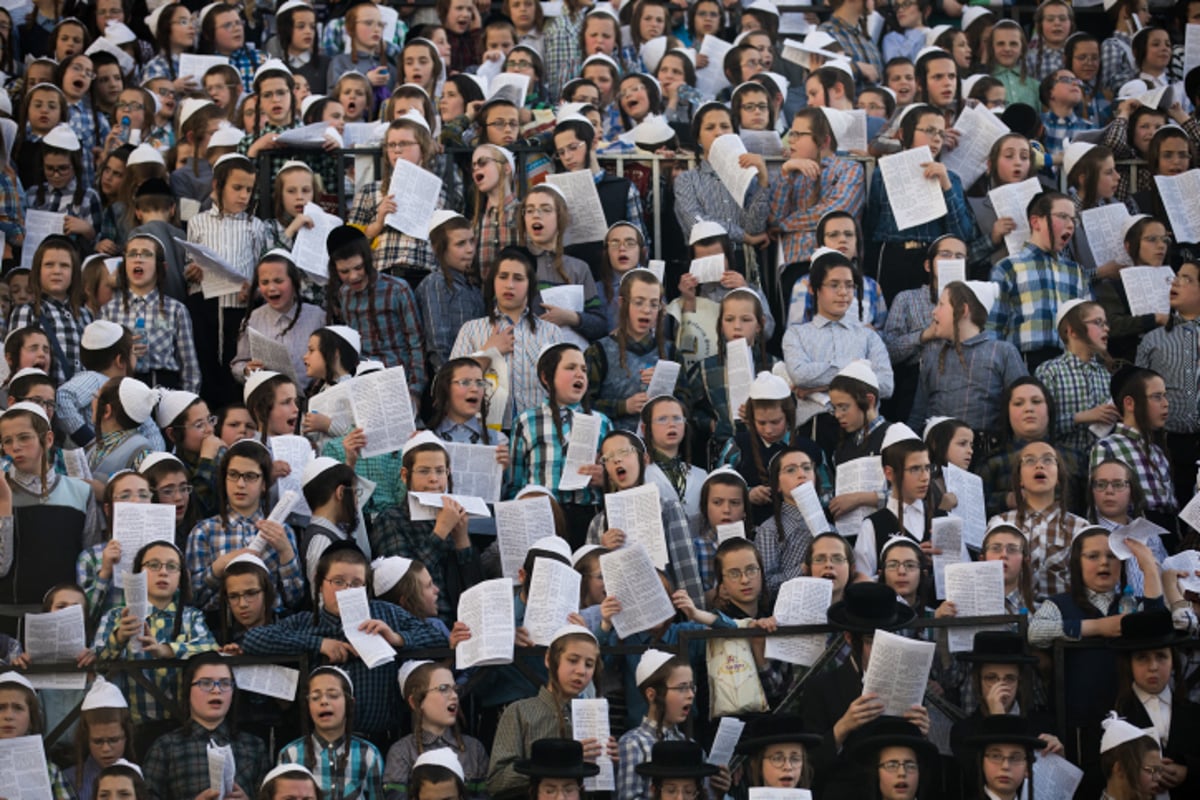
<point x="1004" y="729"/>
<point x="998" y="647"/>
<point x="863" y="745"/>
<point x="1147" y="630"/>
<point x="556" y="758"/>
<point x="681" y="759"/>
<point x="771" y="729"/>
<point x="869" y="606"/>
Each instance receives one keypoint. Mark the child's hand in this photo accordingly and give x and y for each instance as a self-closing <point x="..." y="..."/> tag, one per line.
<point x="305" y="220"/>
<point x="109" y="557"/>
<point x="106" y="246"/>
<point x="22" y="661"/>
<point x="337" y="652"/>
<point x="449" y="517"/>
<point x="153" y="647"/>
<point x="683" y="602"/>
<point x="688" y="285"/>
<point x="753" y="161"/>
<point x="949" y="502"/>
<point x="75" y="225"/>
<point x="562" y="317"/>
<point x="768" y="624"/>
<point x="460" y="633"/>
<point x="575" y="619"/>
<point x="378" y="76"/>
<point x="919" y="716"/>
<point x="315" y="423"/>
<point x="231" y="649"/>
<point x="353" y="443"/>
<point x="387" y="205"/>
<point x="609" y="608"/>
<point x="522" y="637"/>
<point x="381" y="628"/>
<point x="502" y="455"/>
<point x="275" y="535"/>
<point x="593" y="749"/>
<point x="946" y="609"/>
<point x="646" y="375"/>
<point x="613" y="539"/>
<point x="805" y="166"/>
<point x="244" y="293"/>
<point x="760" y="495"/>
<point x="701" y="61"/>
<point x="211" y="446"/>
<point x="502" y="341"/>
<point x="280" y="469"/>
<point x="928" y="549"/>
<point x="595" y="471"/>
<point x="732" y="280"/>
<point x="635" y="404"/>
<point x="193" y="273"/>
<point x="493" y="55"/>
<point x="950" y="140"/>
<point x="936" y="169"/>
<point x="185" y="84"/>
<point x="129" y="626"/>
<point x="85" y="658"/>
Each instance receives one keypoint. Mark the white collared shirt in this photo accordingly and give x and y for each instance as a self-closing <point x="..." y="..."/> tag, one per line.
<point x="1159" y="712"/>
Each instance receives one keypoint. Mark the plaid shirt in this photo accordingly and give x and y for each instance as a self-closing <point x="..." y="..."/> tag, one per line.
<point x="92" y="130"/>
<point x="383" y="470"/>
<point x="62" y="201"/>
<point x="1041" y="60"/>
<point x="971" y="391"/>
<point x="635" y="747"/>
<point x="102" y="594"/>
<point x="163" y="66"/>
<point x="783" y="552"/>
<point x="194" y="637"/>
<point x="880" y="221"/>
<point x="561" y="56"/>
<point x="700" y="195"/>
<point x="246" y="60"/>
<point x="363" y="776"/>
<point x="1076" y="386"/>
<point x="710" y="393"/>
<point x="815" y="351"/>
<point x="1174" y="354"/>
<point x="59" y="324"/>
<point x="202" y="475"/>
<point x="168" y="334"/>
<point x="376" y="693"/>
<point x="333" y="39"/>
<point x="275" y="161"/>
<point x="385" y="316"/>
<point x="910" y="315"/>
<point x="803" y="304"/>
<point x="1059" y="129"/>
<point x="494" y="235"/>
<point x="798" y="203"/>
<point x="211" y="539"/>
<point x="1116" y="61"/>
<point x="1033" y="284"/>
<point x="391" y="248"/>
<point x="403" y="754"/>
<point x="1116" y="136"/>
<point x="1147" y="460"/>
<point x="12" y="208"/>
<point x="1049" y="534"/>
<point x="537" y="455"/>
<point x="855" y="44"/>
<point x="60" y="787"/>
<point x="445" y="309"/>
<point x="176" y="767"/>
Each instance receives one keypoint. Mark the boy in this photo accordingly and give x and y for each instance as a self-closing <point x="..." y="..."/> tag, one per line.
<point x="154" y="208"/>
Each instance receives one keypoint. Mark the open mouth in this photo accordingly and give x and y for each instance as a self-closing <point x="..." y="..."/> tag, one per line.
<point x="452" y="709"/>
<point x="325" y="716"/>
<point x="291" y="422"/>
<point x="621" y="473"/>
<point x="579" y="385"/>
<point x="138" y="273"/>
<point x="479" y="177"/>
<point x="625" y="260"/>
<point x="537" y="227"/>
<point x="829" y="575"/>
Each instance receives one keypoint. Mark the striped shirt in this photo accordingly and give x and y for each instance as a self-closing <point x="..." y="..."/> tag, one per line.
<point x="278" y="327"/>
<point x="855" y="44"/>
<point x="168" y="334"/>
<point x="1174" y="354"/>
<point x="239" y="239"/>
<point x="911" y="313"/>
<point x="815" y="351"/>
<point x="446" y="305"/>
<point x="537" y="454"/>
<point x="700" y="195"/>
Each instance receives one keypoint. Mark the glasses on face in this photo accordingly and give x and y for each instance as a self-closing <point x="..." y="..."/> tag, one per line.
<point x="749" y="573"/>
<point x="131" y="106"/>
<point x="1157" y="397"/>
<point x="919" y="469"/>
<point x="169" y="493"/>
<point x="794" y="136"/>
<point x="1153" y="772"/>
<point x="233" y="25"/>
<point x="21" y="439"/>
<point x="332" y="695"/>
<point x="933" y="133"/>
<point x="1184" y="280"/>
<point x="1165" y="239"/>
<point x="539" y="211"/>
<point x="248" y="596"/>
<point x="481" y="163"/>
<point x="1064" y="217"/>
<point x="430" y="472"/>
<point x="1069" y="80"/>
<point x="999" y="759"/>
<point x="140" y="255"/>
<point x="951" y="253"/>
<point x="341" y="583"/>
<point x="573" y="147"/>
<point x="470" y="383"/>
<point x="617" y="455"/>
<point x="1099" y="323"/>
<point x="1088" y="58"/>
<point x="997" y="549"/>
<point x="59" y="169"/>
<point x="222" y="685"/>
<point x="675" y="420"/>
<point x="399" y="147"/>
<point x="905" y="566"/>
<point x="167" y="91"/>
<point x="754" y="107"/>
<point x="140" y="496"/>
<point x="1117" y="484"/>
<point x="49" y="405"/>
<point x="751" y="64"/>
<point x="171" y="567"/>
<point x="623" y="244"/>
<point x="837" y="559"/>
<point x="504" y="124"/>
<point x="444" y="689"/>
<point x="643" y="302"/>
<point x="1047" y="460"/>
<point x="894" y="766"/>
<point x="108" y="741"/>
<point x="520" y="64"/>
<point x="233" y="476"/>
<point x="82" y="70"/>
<point x="781" y="760"/>
<point x="201" y="425"/>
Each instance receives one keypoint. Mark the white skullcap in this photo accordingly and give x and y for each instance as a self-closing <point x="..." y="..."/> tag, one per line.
<point x="62" y="137"/>
<point x="412" y="115"/>
<point x="406" y="671"/>
<point x="441" y="757"/>
<point x="652" y="52"/>
<point x="932" y="34"/>
<point x="553" y="544"/>
<point x="292" y="5"/>
<point x="233" y="157"/>
<point x="347" y="335"/>
<point x="763" y="5"/>
<point x="386" y="572"/>
<point x="932" y="423"/>
<point x="895" y="539"/>
<point x="12" y="676"/>
<point x="985" y="292"/>
<point x="424" y="437"/>
<point x="768" y="386"/>
<point x="1118" y="731"/>
<point x="226" y="136"/>
<point x="158" y="457"/>
<point x="653" y="130"/>
<point x="105" y="44"/>
<point x="860" y="369"/>
<point x="146" y="154"/>
<point x="599" y="58"/>
<point x="190" y="106"/>
<point x="103" y="694"/>
<point x="272" y="65"/>
<point x="249" y="558"/>
<point x="137" y="399"/>
<point x="1072" y="152"/>
<point x="172" y="404"/>
<point x="897" y="432"/>
<point x="286" y="769"/>
<point x="706" y="229"/>
<point x="1065" y="307"/>
<point x="309" y="101"/>
<point x="120" y="762"/>
<point x="971" y="13"/>
<point x="571" y="630"/>
<point x="652" y="661"/>
<point x="101" y="334"/>
<point x="256" y="379"/>
<point x="968" y="83"/>
<point x="1129" y="223"/>
<point x="151" y="20"/>
<point x="317" y="467"/>
<point x="441" y="217"/>
<point x="533" y="488"/>
<point x="583" y="553"/>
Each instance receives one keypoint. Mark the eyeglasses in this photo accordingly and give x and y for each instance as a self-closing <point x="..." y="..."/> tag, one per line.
<point x="481" y="163"/>
<point x="573" y="147"/>
<point x="781" y="760"/>
<point x="233" y="25"/>
<point x="1117" y="484"/>
<point x="1068" y="80"/>
<point x="184" y="22"/>
<point x="919" y="469"/>
<point x="504" y="124"/>
<point x="22" y="439"/>
<point x="202" y="425"/>
<point x="396" y="147"/>
<point x="792" y="136"/>
<point x="49" y="405"/>
<point x="248" y="596"/>
<point x="684" y="688"/>
<point x="749" y="573"/>
<point x="1004" y="549"/>
<point x="332" y="695"/>
<point x="1048" y="460"/>
<point x="233" y="476"/>
<point x="539" y="211"/>
<point x="999" y="759"/>
<point x="141" y="496"/>
<point x="222" y="685"/>
<point x="82" y="70"/>
<point x="171" y="567"/>
<point x="756" y="107"/>
<point x="933" y="133"/>
<point x="1063" y="216"/>
<point x="622" y="244"/>
<point x="643" y="302"/>
<point x="837" y="559"/>
<point x="131" y="106"/>
<point x="1153" y="772"/>
<point x="342" y="583"/>
<point x="444" y="689"/>
<point x="1087" y="58"/>
<point x="430" y="472"/>
<point x="895" y="766"/>
<point x="139" y="254"/>
<point x="675" y="420"/>
<point x="522" y="64"/>
<point x="617" y="455"/>
<point x="1099" y="323"/>
<point x="752" y="64"/>
<point x="1164" y="239"/>
<point x="951" y="254"/>
<point x="60" y="169"/>
<point x="470" y="383"/>
<point x="164" y="91"/>
<point x="171" y="492"/>
<point x="906" y="566"/>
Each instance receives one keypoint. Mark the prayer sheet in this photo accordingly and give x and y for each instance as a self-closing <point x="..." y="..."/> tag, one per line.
<point x="950" y="270"/>
<point x="270" y="680"/>
<point x="801" y="601"/>
<point x="390" y="17"/>
<point x="510" y="86"/>
<point x="638" y="512"/>
<point x="629" y="576"/>
<point x="1011" y="200"/>
<point x="1191" y="512"/>
<point x="764" y="143"/>
<point x="978" y="129"/>
<point x="1053" y="775"/>
<point x="768" y="793"/>
<point x="739" y="374"/>
<point x="1140" y="529"/>
<point x="580" y="452"/>
<point x="1103" y="226"/>
<point x="552" y="9"/>
<point x="297" y="452"/>
<point x="75" y="461"/>
<point x="711" y="79"/>
<point x="1148" y="289"/>
<point x="589" y="720"/>
<point x="520" y="523"/>
<point x="306" y="137"/>
<point x="416" y="191"/>
<point x="898" y="671"/>
<point x="553" y="594"/>
<point x="729" y="731"/>
<point x="363" y="134"/>
<point x="977" y="590"/>
<point x="945" y="534"/>
<point x="308" y="251"/>
<point x="476" y="470"/>
<point x="365" y="488"/>
<point x="1187" y="561"/>
<point x="273" y="354"/>
<point x="708" y="269"/>
<point x="222" y="769"/>
<point x="854" y="137"/>
<point x="287" y="503"/>
<point x="334" y="402"/>
<point x="354" y="610"/>
<point x="569" y="296"/>
<point x="194" y="65"/>
<point x="38" y="225"/>
<point x="915" y="199"/>
<point x="56" y="637"/>
<point x="731" y="530"/>
<point x="487" y="609"/>
<point x="967" y="488"/>
<point x="858" y="475"/>
<point x="587" y="222"/>
<point x="658" y="267"/>
<point x="220" y="277"/>
<point x="475" y="506"/>
<point x="805" y="496"/>
<point x="135" y="525"/>
<point x="664" y="379"/>
<point x="382" y="407"/>
<point x="136" y="598"/>
<point x="1179" y="193"/>
<point x="188" y="208"/>
<point x="23" y="769"/>
<point x="723" y="155"/>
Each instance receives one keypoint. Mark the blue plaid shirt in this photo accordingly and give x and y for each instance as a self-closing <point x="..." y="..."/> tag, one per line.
<point x="92" y="131"/>
<point x="855" y="44"/>
<point x="1033" y="283"/>
<point x="537" y="454"/>
<point x="59" y="324"/>
<point x="561" y="56"/>
<point x="361" y="778"/>
<point x="1059" y="129"/>
<point x="246" y="60"/>
<point x="385" y="316"/>
<point x="62" y="201"/>
<point x="1076" y="386"/>
<point x="447" y="302"/>
<point x="168" y="334"/>
<point x="635" y="747"/>
<point x="211" y="539"/>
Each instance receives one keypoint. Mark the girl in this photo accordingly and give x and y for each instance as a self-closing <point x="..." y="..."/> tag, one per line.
<point x="451" y="297"/>
<point x="23" y="717"/>
<point x="1007" y="60"/>
<point x="963" y="356"/>
<point x="573" y="660"/>
<point x="283" y="316"/>
<point x="784" y="538"/>
<point x="166" y="352"/>
<point x="497" y="207"/>
<point x="667" y="683"/>
<point x="1148" y="243"/>
<point x="367" y="52"/>
<point x="343" y="764"/>
<point x="778" y="749"/>
<point x="1130" y="760"/>
<point x="431" y="695"/>
<point x="244" y="482"/>
<point x="64" y="191"/>
<point x="104" y="736"/>
<point x="623" y="457"/>
<point x="174" y="629"/>
<point x="665" y="427"/>
<point x="1080" y="378"/>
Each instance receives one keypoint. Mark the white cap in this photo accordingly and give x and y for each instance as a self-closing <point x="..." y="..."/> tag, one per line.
<point x="1065" y="307"/>
<point x="932" y="423"/>
<point x="190" y="106"/>
<point x="407" y="669"/>
<point x="601" y="58"/>
<point x="308" y="102"/>
<point x="25" y="405"/>
<point x="424" y="437"/>
<point x="367" y="366"/>
<point x="985" y="292"/>
<point x="25" y="372"/>
<point x="839" y="121"/>
<point x="932" y="34"/>
<point x="151" y="19"/>
<point x="146" y="154"/>
<point x="12" y="676"/>
<point x="479" y="80"/>
<point x="226" y="136"/>
<point x="605" y="8"/>
<point x="763" y="5"/>
<point x="565" y="116"/>
<point x="101" y="334"/>
<point x="105" y="44"/>
<point x="292" y="5"/>
<point x="652" y="661"/>
<point x="815" y="42"/>
<point x="158" y="457"/>
<point x="971" y="13"/>
<point x="441" y="757"/>
<point x="62" y="137"/>
<point x="137" y="399"/>
<point x="533" y="488"/>
<point x="706" y="229"/>
<point x="286" y="769"/>
<point x="317" y="467"/>
<point x="553" y="544"/>
<point x="782" y="83"/>
<point x="507" y="155"/>
<point x="768" y="386"/>
<point x="653" y="130"/>
<point x="570" y="630"/>
<point x="1072" y="152"/>
<point x="441" y="217"/>
<point x="412" y="115"/>
<point x="583" y="553"/>
<point x="120" y="762"/>
<point x="256" y="379"/>
<point x="940" y="51"/>
<point x="232" y="157"/>
<point x="968" y="83"/>
<point x="653" y="51"/>
<point x="269" y="66"/>
<point x="172" y="404"/>
<point x="386" y="572"/>
<point x="1129" y="223"/>
<point x="1132" y="88"/>
<point x="860" y="369"/>
<point x="347" y="335"/>
<point x="1118" y="731"/>
<point x="249" y="558"/>
<point x="897" y="432"/>
<point x="204" y="12"/>
<point x="840" y="64"/>
<point x="103" y="694"/>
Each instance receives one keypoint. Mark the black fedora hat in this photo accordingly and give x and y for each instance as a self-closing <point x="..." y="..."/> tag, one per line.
<point x="556" y="758"/>
<point x="772" y="729"/>
<point x="681" y="759"/>
<point x="1148" y="630"/>
<point x="1004" y="729"/>
<point x="998" y="647"/>
<point x="341" y="238"/>
<point x="863" y="745"/>
<point x="866" y="607"/>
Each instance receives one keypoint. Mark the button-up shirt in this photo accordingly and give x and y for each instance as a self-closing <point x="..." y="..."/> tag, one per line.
<point x="239" y="239"/>
<point x="700" y="195"/>
<point x="1175" y="354"/>
<point x="1158" y="708"/>
<point x="1076" y="386"/>
<point x="176" y="767"/>
<point x="359" y="777"/>
<point x="798" y="203"/>
<point x="211" y="539"/>
<point x="92" y="129"/>
<point x="1148" y="461"/>
<point x="635" y="748"/>
<point x="522" y="724"/>
<point x="966" y="384"/>
<point x="815" y="351"/>
<point x="447" y="301"/>
<point x="62" y="201"/>
<point x="167" y="334"/>
<point x="291" y="328"/>
<point x="391" y="248"/>
<point x="855" y="44"/>
<point x="403" y="754"/>
<point x="538" y="455"/>
<point x="385" y="316"/>
<point x="1049" y="533"/>
<point x="497" y="230"/>
<point x="60" y="325"/>
<point x="1033" y="284"/>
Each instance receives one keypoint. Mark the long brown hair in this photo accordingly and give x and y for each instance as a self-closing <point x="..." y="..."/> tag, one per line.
<point x="74" y="293"/>
<point x="624" y="323"/>
<point x="966" y="306"/>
